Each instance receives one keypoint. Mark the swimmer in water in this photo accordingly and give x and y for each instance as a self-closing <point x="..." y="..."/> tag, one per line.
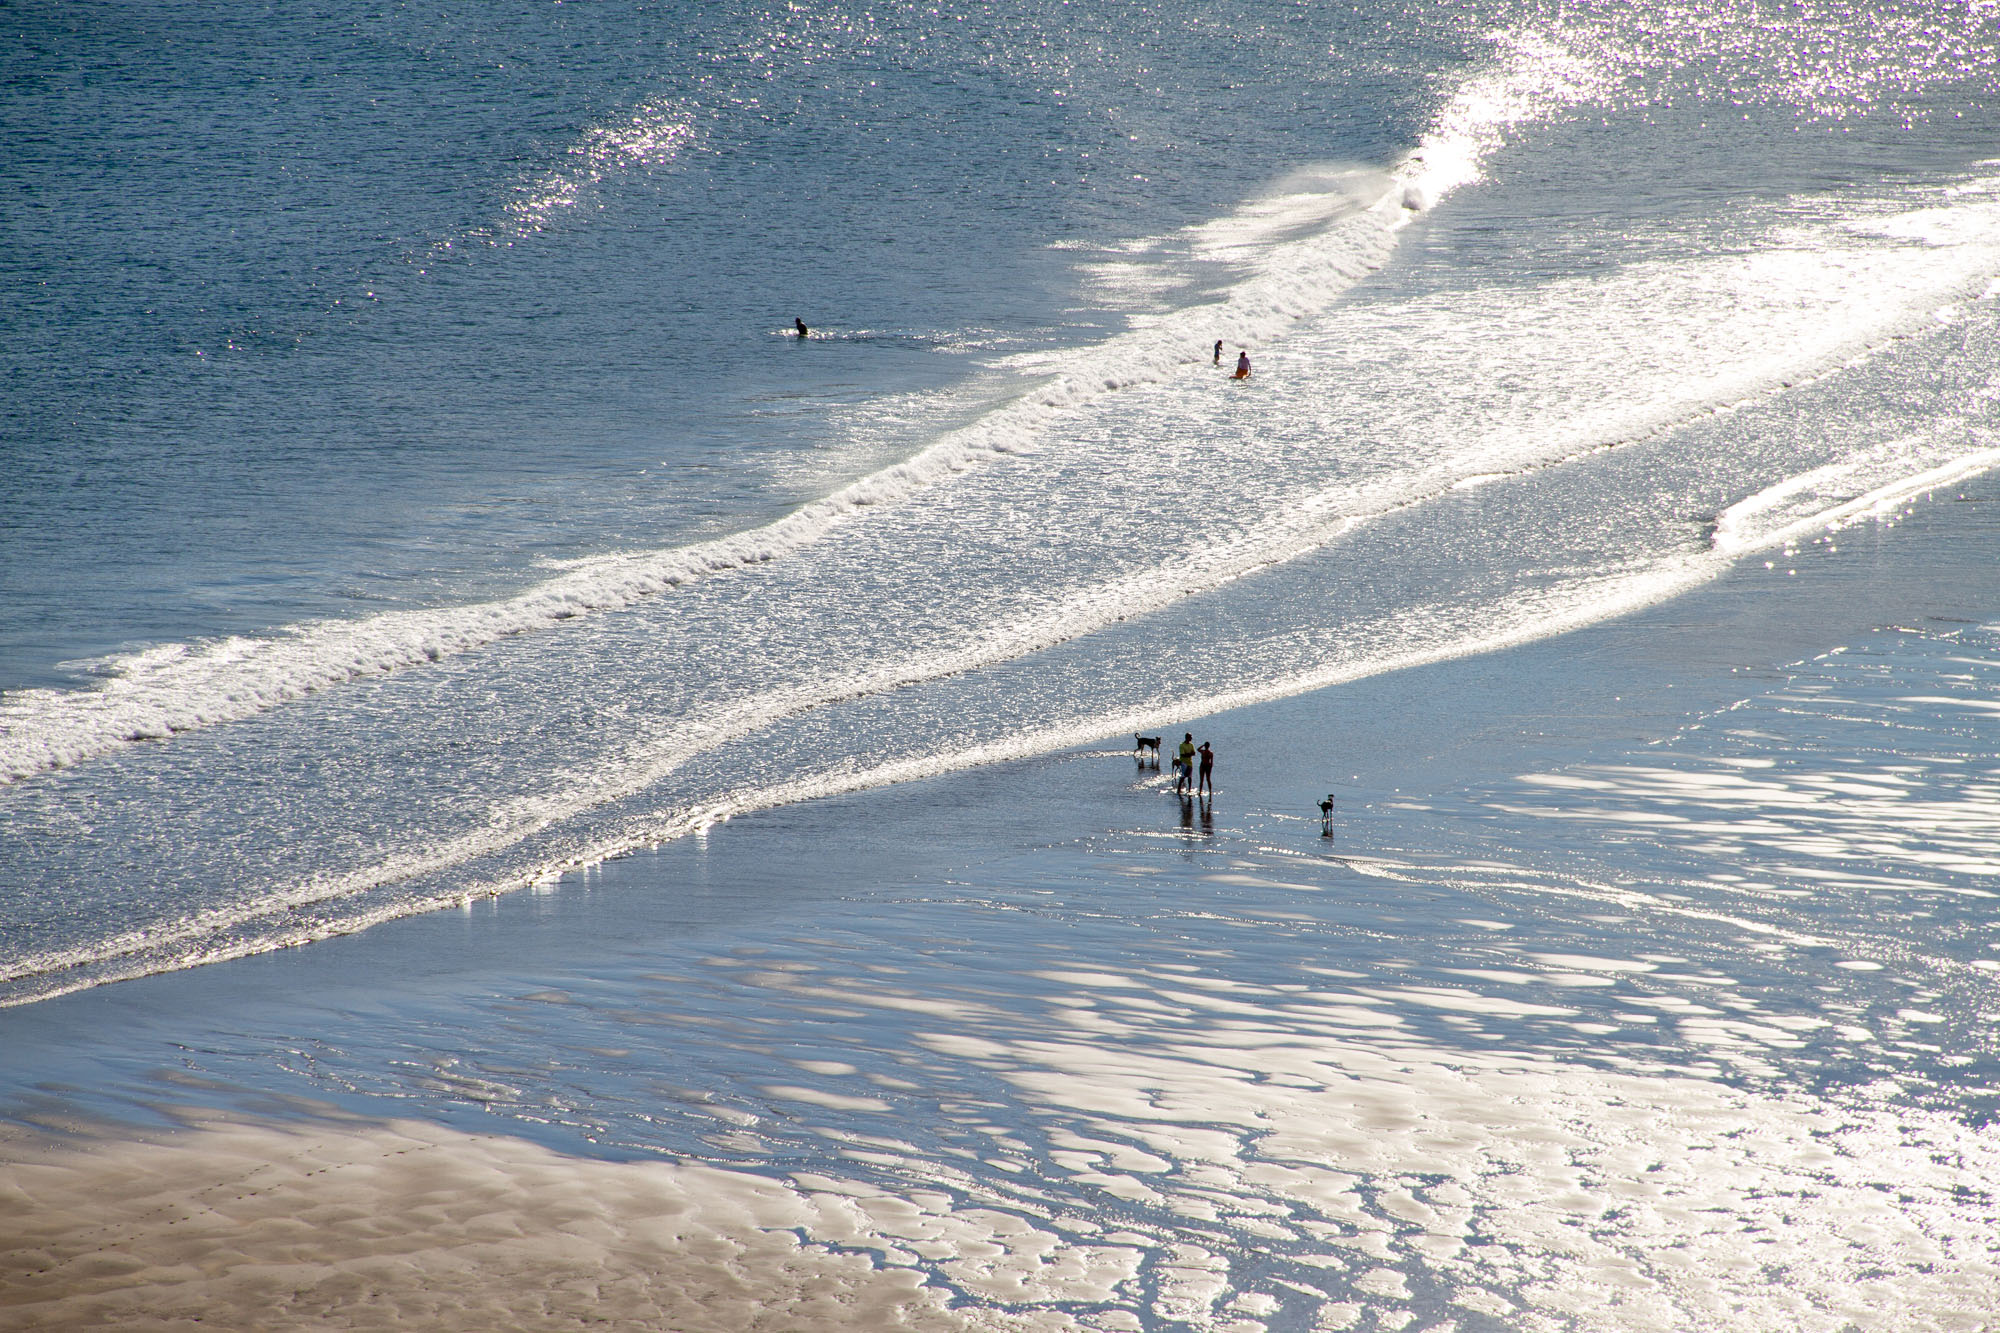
<point x="1243" y="365"/>
<point x="801" y="326"/>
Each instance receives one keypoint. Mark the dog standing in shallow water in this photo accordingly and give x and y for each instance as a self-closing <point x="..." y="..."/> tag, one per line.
<point x="1141" y="744"/>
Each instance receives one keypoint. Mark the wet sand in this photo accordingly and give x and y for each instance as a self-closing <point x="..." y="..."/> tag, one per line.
<point x="1643" y="985"/>
<point x="407" y="1225"/>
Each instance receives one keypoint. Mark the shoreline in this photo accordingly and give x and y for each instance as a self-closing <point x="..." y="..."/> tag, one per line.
<point x="1441" y="726"/>
<point x="875" y="1023"/>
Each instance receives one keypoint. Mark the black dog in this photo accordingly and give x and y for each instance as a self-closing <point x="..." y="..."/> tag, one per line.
<point x="1141" y="744"/>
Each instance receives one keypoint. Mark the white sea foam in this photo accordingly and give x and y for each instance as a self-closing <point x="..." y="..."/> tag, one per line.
<point x="155" y="694"/>
<point x="314" y="909"/>
<point x="1824" y="499"/>
<point x="161" y="692"/>
<point x="245" y="676"/>
<point x="1780" y="514"/>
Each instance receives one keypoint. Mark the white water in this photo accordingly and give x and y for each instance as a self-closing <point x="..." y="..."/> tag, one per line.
<point x="1346" y="235"/>
<point x="1414" y="473"/>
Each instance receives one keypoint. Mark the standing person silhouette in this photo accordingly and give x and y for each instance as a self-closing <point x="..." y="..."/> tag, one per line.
<point x="1207" y="783"/>
<point x="1218" y="351"/>
<point x="1184" y="764"/>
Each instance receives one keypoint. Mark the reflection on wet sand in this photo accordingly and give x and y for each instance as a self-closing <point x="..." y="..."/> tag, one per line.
<point x="1695" y="1040"/>
<point x="1173" y="1148"/>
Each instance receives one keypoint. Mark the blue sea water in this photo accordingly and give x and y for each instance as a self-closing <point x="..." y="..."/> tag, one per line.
<point x="412" y="491"/>
<point x="320" y="313"/>
<point x="413" y="488"/>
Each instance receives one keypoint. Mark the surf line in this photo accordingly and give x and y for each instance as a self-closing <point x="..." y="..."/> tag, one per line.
<point x="157" y="949"/>
<point x="1592" y="603"/>
<point x="181" y="688"/>
<point x="176" y="689"/>
<point x="1307" y="528"/>
<point x="1304" y="529"/>
<point x="143" y="953"/>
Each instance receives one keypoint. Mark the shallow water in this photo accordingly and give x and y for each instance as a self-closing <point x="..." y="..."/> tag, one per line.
<point x="1657" y="997"/>
<point x="1526" y="359"/>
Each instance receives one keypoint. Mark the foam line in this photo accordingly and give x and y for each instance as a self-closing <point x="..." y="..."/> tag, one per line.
<point x="1543" y="615"/>
<point x="1550" y="614"/>
<point x="1736" y="533"/>
<point x="158" y="947"/>
<point x="154" y="949"/>
<point x="1313" y="522"/>
<point x="164" y="691"/>
<point x="1307" y="526"/>
<point x="622" y="775"/>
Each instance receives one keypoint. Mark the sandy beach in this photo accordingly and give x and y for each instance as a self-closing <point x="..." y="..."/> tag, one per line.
<point x="410" y="1225"/>
<point x="1641" y="986"/>
<point x="414" y="1226"/>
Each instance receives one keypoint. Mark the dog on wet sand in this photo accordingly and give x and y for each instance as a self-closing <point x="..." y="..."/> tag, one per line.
<point x="1141" y="744"/>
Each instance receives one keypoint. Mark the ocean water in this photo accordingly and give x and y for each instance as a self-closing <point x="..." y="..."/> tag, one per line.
<point x="413" y="490"/>
<point x="415" y="504"/>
